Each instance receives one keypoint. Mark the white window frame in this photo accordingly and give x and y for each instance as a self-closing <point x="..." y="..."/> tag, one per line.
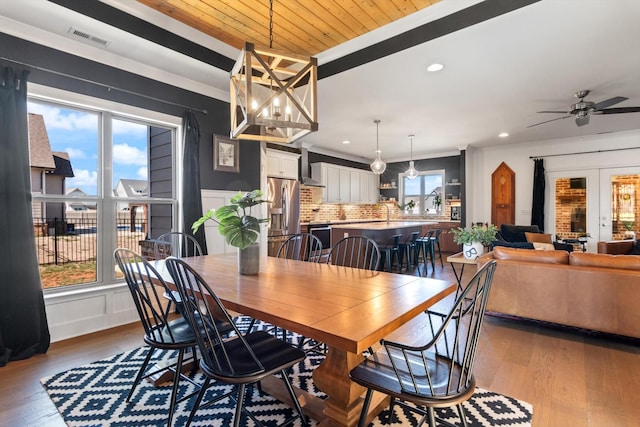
<point x="79" y="309"/>
<point x="401" y="196"/>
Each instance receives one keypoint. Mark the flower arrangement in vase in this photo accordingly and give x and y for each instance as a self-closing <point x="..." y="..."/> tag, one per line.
<point x="239" y="228"/>
<point x="474" y="239"/>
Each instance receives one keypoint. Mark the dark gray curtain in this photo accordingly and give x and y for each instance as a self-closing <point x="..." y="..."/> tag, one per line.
<point x="23" y="321"/>
<point x="191" y="198"/>
<point x="537" y="207"/>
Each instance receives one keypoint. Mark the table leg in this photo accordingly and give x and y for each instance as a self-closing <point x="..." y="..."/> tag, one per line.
<point x="458" y="276"/>
<point x="344" y="401"/>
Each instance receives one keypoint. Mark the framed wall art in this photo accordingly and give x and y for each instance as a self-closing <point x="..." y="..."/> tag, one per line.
<point x="226" y="154"/>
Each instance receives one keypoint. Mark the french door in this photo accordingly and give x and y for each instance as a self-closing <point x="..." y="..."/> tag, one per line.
<point x="619" y="202"/>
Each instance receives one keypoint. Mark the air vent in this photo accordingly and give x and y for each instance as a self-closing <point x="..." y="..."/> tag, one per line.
<point x="87" y="36"/>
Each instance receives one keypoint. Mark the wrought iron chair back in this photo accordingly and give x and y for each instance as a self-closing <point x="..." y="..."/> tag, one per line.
<point x="355" y="251"/>
<point x="440" y="372"/>
<point x="176" y="243"/>
<point x="301" y="247"/>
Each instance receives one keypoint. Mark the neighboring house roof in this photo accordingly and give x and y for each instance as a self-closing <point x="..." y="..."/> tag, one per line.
<point x="132" y="187"/>
<point x="40" y="153"/>
<point x="63" y="164"/>
<point x="76" y="192"/>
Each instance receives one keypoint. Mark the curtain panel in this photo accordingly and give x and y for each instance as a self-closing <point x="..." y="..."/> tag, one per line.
<point x="191" y="194"/>
<point x="537" y="206"/>
<point x="23" y="322"/>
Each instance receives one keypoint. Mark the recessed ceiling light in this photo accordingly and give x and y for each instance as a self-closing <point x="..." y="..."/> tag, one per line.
<point x="435" y="67"/>
<point x="346" y="141"/>
<point x="503" y="135"/>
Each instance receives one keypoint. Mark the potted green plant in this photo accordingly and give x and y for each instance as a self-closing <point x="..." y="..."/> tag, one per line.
<point x="474" y="239"/>
<point x="239" y="228"/>
<point x="629" y="233"/>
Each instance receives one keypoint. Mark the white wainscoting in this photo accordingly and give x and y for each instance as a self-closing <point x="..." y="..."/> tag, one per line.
<point x="82" y="311"/>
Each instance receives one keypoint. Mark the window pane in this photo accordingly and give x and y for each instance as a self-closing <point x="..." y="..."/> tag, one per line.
<point x="412" y="186"/>
<point x="130" y="160"/>
<point x="625" y="206"/>
<point x="63" y="146"/>
<point x="66" y="244"/>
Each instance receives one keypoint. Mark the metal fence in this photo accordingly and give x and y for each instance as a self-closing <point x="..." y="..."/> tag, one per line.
<point x="60" y="241"/>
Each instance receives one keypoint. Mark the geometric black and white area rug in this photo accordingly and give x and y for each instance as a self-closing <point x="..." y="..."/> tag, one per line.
<point x="94" y="395"/>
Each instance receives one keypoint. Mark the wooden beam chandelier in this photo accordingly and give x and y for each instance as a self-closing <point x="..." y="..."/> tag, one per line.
<point x="273" y="94"/>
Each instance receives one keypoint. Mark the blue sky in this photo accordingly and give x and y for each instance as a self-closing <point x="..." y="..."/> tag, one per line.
<point x="76" y="132"/>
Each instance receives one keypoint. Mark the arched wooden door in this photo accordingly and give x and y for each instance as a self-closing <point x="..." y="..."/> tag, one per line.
<point x="503" y="195"/>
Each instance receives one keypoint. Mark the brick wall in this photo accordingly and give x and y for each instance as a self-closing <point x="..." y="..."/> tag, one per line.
<point x="310" y="211"/>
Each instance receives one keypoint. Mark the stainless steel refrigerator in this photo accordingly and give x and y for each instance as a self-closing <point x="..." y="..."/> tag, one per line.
<point x="284" y="211"/>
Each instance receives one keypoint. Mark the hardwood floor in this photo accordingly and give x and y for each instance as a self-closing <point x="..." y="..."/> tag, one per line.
<point x="571" y="379"/>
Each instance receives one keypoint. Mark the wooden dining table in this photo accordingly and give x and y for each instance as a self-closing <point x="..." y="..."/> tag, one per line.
<point x="348" y="309"/>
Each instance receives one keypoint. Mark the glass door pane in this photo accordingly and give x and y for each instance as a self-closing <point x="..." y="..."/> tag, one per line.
<point x="620" y="207"/>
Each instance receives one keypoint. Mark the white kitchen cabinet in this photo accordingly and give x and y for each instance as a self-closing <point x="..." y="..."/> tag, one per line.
<point x="345" y="185"/>
<point x="282" y="164"/>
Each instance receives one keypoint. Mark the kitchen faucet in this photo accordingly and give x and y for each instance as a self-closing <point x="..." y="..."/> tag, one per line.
<point x="388" y="211"/>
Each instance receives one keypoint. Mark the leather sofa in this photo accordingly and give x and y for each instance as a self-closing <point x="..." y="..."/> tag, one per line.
<point x="598" y="292"/>
<point x="616" y="247"/>
<point x="514" y="236"/>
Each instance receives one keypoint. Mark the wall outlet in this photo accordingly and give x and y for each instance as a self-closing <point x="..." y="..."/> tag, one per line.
<point x="346" y="234"/>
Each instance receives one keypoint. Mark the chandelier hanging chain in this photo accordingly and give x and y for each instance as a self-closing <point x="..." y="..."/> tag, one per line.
<point x="377" y="135"/>
<point x="270" y="24"/>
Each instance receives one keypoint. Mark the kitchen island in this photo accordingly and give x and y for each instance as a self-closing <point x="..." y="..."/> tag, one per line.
<point x="381" y="232"/>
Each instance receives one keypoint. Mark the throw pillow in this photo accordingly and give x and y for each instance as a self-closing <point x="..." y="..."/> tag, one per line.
<point x="538" y="237"/>
<point x="543" y="246"/>
<point x="636" y="249"/>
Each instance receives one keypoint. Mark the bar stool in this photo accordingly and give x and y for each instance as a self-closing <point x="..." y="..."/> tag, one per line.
<point x="436" y="242"/>
<point x="425" y="244"/>
<point x="408" y="247"/>
<point x="389" y="252"/>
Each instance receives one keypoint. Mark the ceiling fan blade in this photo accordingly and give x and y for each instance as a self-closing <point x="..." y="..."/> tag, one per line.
<point x="556" y="112"/>
<point x="547" y="121"/>
<point x="582" y="120"/>
<point x="619" y="110"/>
<point x="609" y="102"/>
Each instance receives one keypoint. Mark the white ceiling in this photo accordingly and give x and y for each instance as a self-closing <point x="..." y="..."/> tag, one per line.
<point x="497" y="74"/>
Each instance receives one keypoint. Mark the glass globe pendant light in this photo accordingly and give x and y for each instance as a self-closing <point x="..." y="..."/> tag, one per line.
<point x="378" y="166"/>
<point x="411" y="173"/>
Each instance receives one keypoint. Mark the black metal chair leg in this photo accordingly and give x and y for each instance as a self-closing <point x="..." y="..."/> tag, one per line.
<point x="140" y="373"/>
<point x="294" y="398"/>
<point x="239" y="405"/>
<point x="176" y="382"/>
<point x="365" y="408"/>
<point x="463" y="417"/>
<point x="431" y="417"/>
<point x="196" y="404"/>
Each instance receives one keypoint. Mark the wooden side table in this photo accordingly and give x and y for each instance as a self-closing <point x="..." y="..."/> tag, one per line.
<point x="459" y="259"/>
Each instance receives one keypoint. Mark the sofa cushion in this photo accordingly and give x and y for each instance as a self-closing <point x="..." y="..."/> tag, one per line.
<point x="515" y="233"/>
<point x="605" y="261"/>
<point x="513" y="254"/>
<point x="519" y="245"/>
<point x="538" y="237"/>
<point x="543" y="246"/>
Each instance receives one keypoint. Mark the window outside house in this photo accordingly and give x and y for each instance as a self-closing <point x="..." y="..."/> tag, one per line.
<point x="423" y="191"/>
<point x="98" y="178"/>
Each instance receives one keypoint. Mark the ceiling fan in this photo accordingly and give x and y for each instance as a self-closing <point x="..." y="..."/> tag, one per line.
<point x="582" y="109"/>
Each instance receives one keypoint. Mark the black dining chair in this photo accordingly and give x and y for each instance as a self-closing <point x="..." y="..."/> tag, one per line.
<point x="355" y="251"/>
<point x="240" y="360"/>
<point x="160" y="332"/>
<point x="435" y="374"/>
<point x="425" y="245"/>
<point x="178" y="244"/>
<point x="301" y="247"/>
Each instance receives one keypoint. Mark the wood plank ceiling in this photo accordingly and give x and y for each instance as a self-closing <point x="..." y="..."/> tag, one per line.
<point x="305" y="27"/>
